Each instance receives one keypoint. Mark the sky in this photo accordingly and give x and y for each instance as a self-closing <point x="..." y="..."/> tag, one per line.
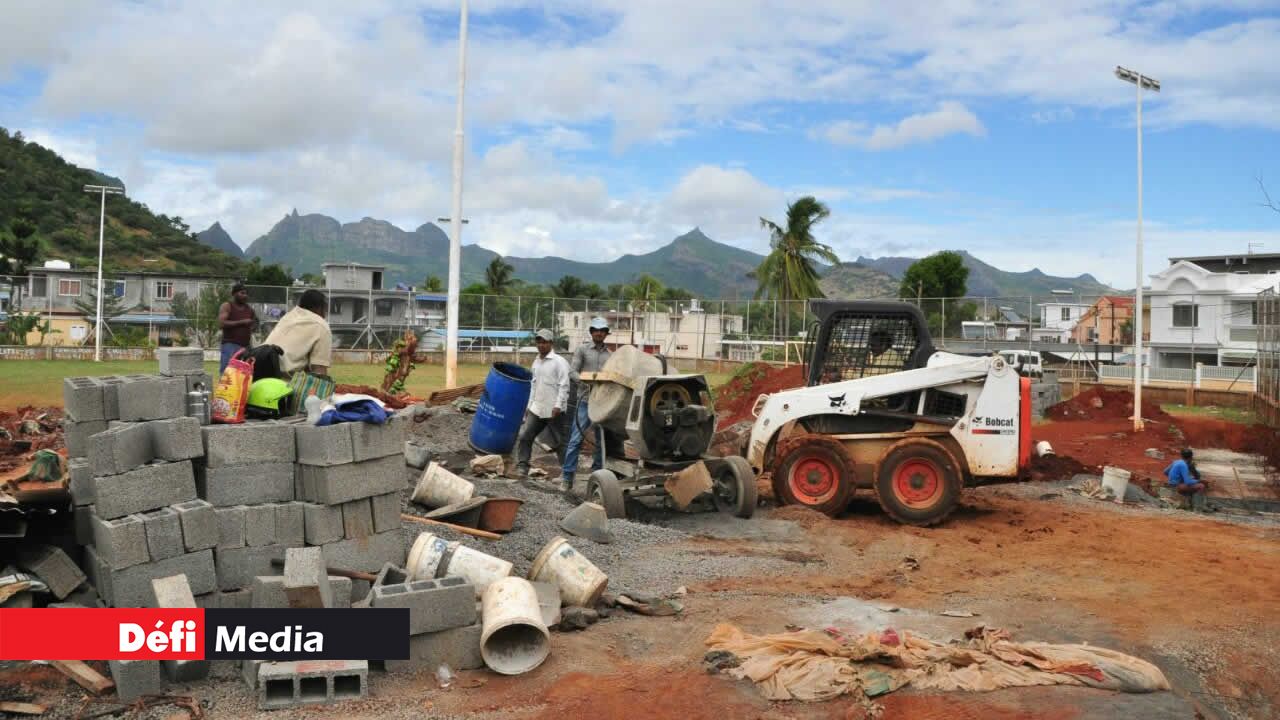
<point x="601" y="127"/>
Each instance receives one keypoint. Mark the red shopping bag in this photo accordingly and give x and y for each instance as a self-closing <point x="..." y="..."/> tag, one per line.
<point x="232" y="393"/>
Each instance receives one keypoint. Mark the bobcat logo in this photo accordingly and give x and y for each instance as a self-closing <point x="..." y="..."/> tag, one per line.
<point x="837" y="401"/>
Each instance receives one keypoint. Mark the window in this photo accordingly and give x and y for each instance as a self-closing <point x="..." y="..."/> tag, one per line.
<point x="1186" y="315"/>
<point x="39" y="285"/>
<point x="335" y="307"/>
<point x="115" y="288"/>
<point x="382" y="308"/>
<point x="575" y="320"/>
<point x="164" y="289"/>
<point x="68" y="288"/>
<point x="1253" y="313"/>
<point x="1066" y="313"/>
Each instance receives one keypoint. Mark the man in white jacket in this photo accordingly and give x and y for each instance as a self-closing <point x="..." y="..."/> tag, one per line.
<point x="547" y="400"/>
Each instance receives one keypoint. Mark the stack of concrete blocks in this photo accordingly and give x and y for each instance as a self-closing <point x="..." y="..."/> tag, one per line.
<point x="350" y="476"/>
<point x="186" y="363"/>
<point x="444" y="622"/>
<point x="1044" y="395"/>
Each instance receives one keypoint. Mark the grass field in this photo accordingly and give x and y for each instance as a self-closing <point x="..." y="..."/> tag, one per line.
<point x="39" y="382"/>
<point x="1222" y="413"/>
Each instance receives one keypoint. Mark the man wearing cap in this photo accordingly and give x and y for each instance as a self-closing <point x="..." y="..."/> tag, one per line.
<point x="547" y="400"/>
<point x="590" y="357"/>
<point x="237" y="320"/>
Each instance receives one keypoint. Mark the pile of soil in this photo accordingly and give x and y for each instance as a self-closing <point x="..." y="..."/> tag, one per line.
<point x="392" y="402"/>
<point x="1215" y="433"/>
<point x="1056" y="467"/>
<point x="1105" y="403"/>
<point x="735" y="398"/>
<point x="18" y="447"/>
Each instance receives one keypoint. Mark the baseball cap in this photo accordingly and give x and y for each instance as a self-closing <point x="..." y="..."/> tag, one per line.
<point x="544" y="334"/>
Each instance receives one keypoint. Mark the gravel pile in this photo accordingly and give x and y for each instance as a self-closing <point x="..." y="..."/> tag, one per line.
<point x="445" y="430"/>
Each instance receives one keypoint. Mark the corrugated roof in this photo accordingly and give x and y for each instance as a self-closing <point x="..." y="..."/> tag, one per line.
<point x="499" y="334"/>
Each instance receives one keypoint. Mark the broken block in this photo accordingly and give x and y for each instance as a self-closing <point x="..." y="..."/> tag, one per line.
<point x="51" y="565"/>
<point x="327" y="445"/>
<point x="199" y="523"/>
<point x="82" y="399"/>
<point x="260" y="525"/>
<point x="176" y="439"/>
<point x="310" y="682"/>
<point x="386" y="512"/>
<point x="164" y="533"/>
<point x="147" y="488"/>
<point x="322" y="523"/>
<point x="120" y="542"/>
<point x="119" y="449"/>
<point x="434" y="605"/>
<point x="357" y="518"/>
<point x="247" y="443"/>
<point x="231" y="527"/>
<point x="246" y="484"/>
<point x="290" y="524"/>
<point x="344" y="483"/>
<point x="180" y="361"/>
<point x="135" y="678"/>
<point x="152" y="398"/>
<point x="306" y="581"/>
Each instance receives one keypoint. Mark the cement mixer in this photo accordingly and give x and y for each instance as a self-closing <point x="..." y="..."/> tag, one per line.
<point x="670" y="422"/>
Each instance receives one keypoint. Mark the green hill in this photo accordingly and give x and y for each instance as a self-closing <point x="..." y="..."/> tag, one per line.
<point x="853" y="281"/>
<point x="989" y="281"/>
<point x="42" y="197"/>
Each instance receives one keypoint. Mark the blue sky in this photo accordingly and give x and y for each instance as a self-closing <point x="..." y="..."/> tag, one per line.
<point x="603" y="127"/>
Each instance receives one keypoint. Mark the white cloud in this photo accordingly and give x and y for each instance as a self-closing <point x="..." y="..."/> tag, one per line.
<point x="951" y="118"/>
<point x="75" y="150"/>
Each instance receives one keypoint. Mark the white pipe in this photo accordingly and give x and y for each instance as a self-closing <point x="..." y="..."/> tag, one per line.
<point x="1137" y="310"/>
<point x="455" y="239"/>
<point x="97" y="328"/>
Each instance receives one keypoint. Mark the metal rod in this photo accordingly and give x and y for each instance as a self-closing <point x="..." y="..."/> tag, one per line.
<point x="455" y="239"/>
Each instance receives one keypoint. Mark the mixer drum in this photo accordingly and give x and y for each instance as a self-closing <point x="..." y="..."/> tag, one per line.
<point x="610" y="402"/>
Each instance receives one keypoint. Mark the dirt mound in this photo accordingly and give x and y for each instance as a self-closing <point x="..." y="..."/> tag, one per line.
<point x="43" y="431"/>
<point x="1056" y="467"/>
<point x="1104" y="403"/>
<point x="392" y="402"/>
<point x="735" y="398"/>
<point x="1215" y="433"/>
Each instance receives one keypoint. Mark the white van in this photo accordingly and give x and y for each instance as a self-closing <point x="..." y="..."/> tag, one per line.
<point x="1026" y="362"/>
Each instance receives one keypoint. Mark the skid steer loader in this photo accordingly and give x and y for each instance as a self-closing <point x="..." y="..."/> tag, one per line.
<point x="882" y="410"/>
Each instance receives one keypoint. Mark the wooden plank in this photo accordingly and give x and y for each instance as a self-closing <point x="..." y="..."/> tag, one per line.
<point x="459" y="528"/>
<point x="85" y="676"/>
<point x="21" y="708"/>
<point x="444" y="397"/>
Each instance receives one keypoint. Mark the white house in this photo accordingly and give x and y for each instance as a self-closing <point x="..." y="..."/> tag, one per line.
<point x="688" y="331"/>
<point x="1204" y="309"/>
<point x="1057" y="319"/>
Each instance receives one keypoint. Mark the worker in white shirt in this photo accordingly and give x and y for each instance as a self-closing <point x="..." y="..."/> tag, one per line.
<point x="547" y="400"/>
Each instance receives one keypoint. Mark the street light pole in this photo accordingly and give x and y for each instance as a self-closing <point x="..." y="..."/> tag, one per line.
<point x="455" y="239"/>
<point x="102" y="223"/>
<point x="1152" y="84"/>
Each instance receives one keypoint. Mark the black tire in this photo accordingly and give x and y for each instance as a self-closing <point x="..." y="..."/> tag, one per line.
<point x="816" y="472"/>
<point x="603" y="488"/>
<point x="917" y="483"/>
<point x="735" y="487"/>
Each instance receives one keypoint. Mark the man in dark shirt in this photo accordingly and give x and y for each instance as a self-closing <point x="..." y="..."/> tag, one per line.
<point x="237" y="320"/>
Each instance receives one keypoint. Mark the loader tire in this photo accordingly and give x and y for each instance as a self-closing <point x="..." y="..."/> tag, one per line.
<point x="816" y="472"/>
<point x="918" y="483"/>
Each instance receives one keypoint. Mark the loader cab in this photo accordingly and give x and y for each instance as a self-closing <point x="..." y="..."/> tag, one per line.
<point x="857" y="339"/>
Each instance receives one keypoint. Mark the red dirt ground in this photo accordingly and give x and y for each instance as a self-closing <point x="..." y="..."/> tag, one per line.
<point x="13" y="452"/>
<point x="735" y="398"/>
<point x="1104" y="403"/>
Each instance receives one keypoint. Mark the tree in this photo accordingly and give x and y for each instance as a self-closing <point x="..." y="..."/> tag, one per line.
<point x="498" y="276"/>
<point x="433" y="284"/>
<point x="787" y="273"/>
<point x="18" y="325"/>
<point x="569" y="286"/>
<point x="112" y="307"/>
<point x="941" y="275"/>
<point x="275" y="274"/>
<point x="200" y="314"/>
<point x="642" y="293"/>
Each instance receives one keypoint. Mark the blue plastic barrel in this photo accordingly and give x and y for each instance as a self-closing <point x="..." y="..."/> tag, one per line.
<point x="501" y="408"/>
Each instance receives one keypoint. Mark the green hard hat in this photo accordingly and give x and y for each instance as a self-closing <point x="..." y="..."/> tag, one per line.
<point x="267" y="393"/>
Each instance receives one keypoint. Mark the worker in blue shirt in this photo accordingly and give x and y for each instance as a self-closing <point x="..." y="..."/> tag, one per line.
<point x="1185" y="479"/>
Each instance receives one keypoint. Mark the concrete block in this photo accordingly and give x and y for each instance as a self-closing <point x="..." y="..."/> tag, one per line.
<point x="237" y="567"/>
<point x="120" y="542"/>
<point x="459" y="647"/>
<point x="148" y="488"/>
<point x="371" y="442"/>
<point x="359" y="592"/>
<point x="328" y="445"/>
<point x="306" y="583"/>
<point x="131" y="587"/>
<point x="268" y="592"/>
<point x="357" y="518"/>
<point x="390" y="575"/>
<point x="51" y="565"/>
<point x="199" y="524"/>
<point x="251" y="442"/>
<point x="235" y="599"/>
<point x="180" y="361"/>
<point x="82" y="399"/>
<point x="119" y="449"/>
<point x="260" y="525"/>
<point x="344" y="483"/>
<point x="246" y="484"/>
<point x="341" y="587"/>
<point x="366" y="554"/>
<point x="176" y="439"/>
<point x="135" y="678"/>
<point x="207" y="601"/>
<point x="82" y="522"/>
<point x="172" y="592"/>
<point x="200" y="381"/>
<point x="111" y="396"/>
<point x="322" y="523"/>
<point x="164" y="533"/>
<point x="76" y="434"/>
<point x="434" y="605"/>
<point x="231" y="528"/>
<point x="386" y="512"/>
<point x="152" y="398"/>
<point x="290" y="524"/>
<point x="80" y="480"/>
<point x="311" y="682"/>
<point x="98" y="572"/>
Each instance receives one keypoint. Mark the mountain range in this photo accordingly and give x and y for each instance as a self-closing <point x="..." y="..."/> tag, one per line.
<point x="217" y="238"/>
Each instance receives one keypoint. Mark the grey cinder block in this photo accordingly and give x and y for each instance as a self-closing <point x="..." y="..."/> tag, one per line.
<point x="147" y="488"/>
<point x="98" y="572"/>
<point x="344" y="483"/>
<point x="235" y="599"/>
<point x="371" y="442"/>
<point x="52" y="565"/>
<point x="119" y="449"/>
<point x="366" y="554"/>
<point x="175" y="592"/>
<point x="164" y="533"/>
<point x="290" y="524"/>
<point x="180" y="361"/>
<point x="260" y="525"/>
<point x="135" y="678"/>
<point x="153" y="398"/>
<point x="76" y="434"/>
<point x="231" y="527"/>
<point x="199" y="524"/>
<point x="82" y="521"/>
<point x="357" y="518"/>
<point x="323" y="523"/>
<point x="306" y="582"/>
<point x="131" y="587"/>
<point x="80" y="480"/>
<point x="82" y="399"/>
<point x="328" y="445"/>
<point x="120" y="542"/>
<point x="459" y="647"/>
<point x="311" y="682"/>
<point x="237" y="567"/>
<point x="386" y="512"/>
<point x="268" y="592"/>
<point x="434" y="605"/>
<point x="253" y="442"/>
<point x="176" y="439"/>
<point x="246" y="484"/>
<point x="111" y="396"/>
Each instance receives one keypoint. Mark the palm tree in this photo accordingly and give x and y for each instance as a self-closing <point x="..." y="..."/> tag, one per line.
<point x="569" y="286"/>
<point x="641" y="293"/>
<point x="498" y="275"/>
<point x="788" y="272"/>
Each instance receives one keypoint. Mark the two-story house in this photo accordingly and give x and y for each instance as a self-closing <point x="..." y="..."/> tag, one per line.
<point x="685" y="331"/>
<point x="1057" y="319"/>
<point x="1204" y="309"/>
<point x="1109" y="321"/>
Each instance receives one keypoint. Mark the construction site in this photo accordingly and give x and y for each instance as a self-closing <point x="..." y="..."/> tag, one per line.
<point x="802" y="541"/>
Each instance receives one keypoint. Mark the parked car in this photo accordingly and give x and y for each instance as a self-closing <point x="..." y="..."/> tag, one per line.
<point x="1027" y="362"/>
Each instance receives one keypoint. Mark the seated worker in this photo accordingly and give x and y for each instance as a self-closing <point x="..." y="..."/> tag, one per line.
<point x="1185" y="480"/>
<point x="303" y="336"/>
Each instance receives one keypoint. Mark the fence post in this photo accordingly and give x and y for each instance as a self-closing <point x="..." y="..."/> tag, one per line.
<point x="943" y="327"/>
<point x="1199" y="374"/>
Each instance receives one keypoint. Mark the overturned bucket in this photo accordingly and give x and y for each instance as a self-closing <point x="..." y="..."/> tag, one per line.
<point x="479" y="569"/>
<point x="580" y="581"/>
<point x="425" y="555"/>
<point x="513" y="637"/>
<point x="439" y="487"/>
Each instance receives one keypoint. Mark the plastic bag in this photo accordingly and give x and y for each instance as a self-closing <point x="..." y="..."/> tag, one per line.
<point x="232" y="392"/>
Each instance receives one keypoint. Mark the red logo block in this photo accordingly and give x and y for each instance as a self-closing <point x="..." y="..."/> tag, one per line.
<point x="102" y="634"/>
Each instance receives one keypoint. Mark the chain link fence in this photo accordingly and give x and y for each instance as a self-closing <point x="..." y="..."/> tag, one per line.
<point x="1268" y="370"/>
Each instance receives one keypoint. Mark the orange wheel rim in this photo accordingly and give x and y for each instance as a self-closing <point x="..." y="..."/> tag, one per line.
<point x="813" y="480"/>
<point x="917" y="483"/>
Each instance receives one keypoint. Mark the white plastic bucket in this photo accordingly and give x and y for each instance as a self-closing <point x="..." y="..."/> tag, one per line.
<point x="580" y="581"/>
<point x="477" y="568"/>
<point x="439" y="487"/>
<point x="1043" y="448"/>
<point x="425" y="555"/>
<point x="1116" y="480"/>
<point x="513" y="638"/>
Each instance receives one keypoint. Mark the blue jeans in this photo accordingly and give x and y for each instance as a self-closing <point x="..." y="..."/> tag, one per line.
<point x="228" y="350"/>
<point x="581" y="423"/>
